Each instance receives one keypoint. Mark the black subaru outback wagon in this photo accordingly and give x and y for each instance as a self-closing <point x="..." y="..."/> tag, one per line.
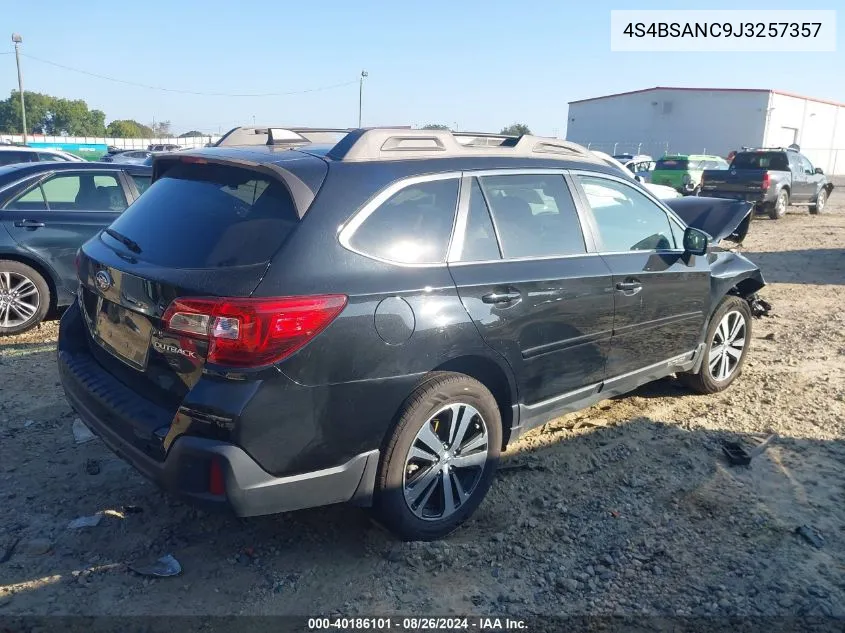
<point x="283" y="326"/>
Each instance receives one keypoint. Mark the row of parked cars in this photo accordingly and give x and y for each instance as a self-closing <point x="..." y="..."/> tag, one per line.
<point x="368" y="320"/>
<point x="771" y="178"/>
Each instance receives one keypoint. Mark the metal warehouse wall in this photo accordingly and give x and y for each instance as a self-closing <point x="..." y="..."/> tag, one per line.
<point x="684" y="121"/>
<point x="819" y="128"/>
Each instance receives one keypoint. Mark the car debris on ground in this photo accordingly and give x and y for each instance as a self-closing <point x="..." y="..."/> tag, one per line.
<point x="81" y="433"/>
<point x="163" y="567"/>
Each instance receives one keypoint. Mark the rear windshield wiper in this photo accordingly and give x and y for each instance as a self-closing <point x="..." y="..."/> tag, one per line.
<point x="132" y="245"/>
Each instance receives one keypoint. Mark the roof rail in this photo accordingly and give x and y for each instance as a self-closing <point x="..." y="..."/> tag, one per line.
<point x="372" y="144"/>
<point x="281" y="135"/>
<point x="791" y="148"/>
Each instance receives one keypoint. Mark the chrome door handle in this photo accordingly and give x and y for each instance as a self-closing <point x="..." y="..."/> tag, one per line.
<point x="28" y="224"/>
<point x="501" y="297"/>
<point x="629" y="287"/>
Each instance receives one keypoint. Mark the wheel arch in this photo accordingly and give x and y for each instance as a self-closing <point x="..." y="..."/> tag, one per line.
<point x="497" y="379"/>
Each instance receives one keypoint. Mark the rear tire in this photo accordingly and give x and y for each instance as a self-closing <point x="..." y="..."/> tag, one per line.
<point x="440" y="458"/>
<point x="778" y="209"/>
<point x="727" y="341"/>
<point x="821" y="201"/>
<point x="24" y="297"/>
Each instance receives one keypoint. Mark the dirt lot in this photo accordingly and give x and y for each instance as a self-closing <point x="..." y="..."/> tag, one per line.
<point x="625" y="508"/>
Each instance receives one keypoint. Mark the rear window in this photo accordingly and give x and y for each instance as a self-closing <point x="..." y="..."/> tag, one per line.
<point x="209" y="216"/>
<point x="673" y="164"/>
<point x="761" y="160"/>
<point x="12" y="157"/>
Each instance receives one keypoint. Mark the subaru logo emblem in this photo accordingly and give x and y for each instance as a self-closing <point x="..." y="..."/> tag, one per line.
<point x="103" y="280"/>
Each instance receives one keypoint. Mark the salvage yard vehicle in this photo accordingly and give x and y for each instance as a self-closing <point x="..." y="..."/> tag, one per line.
<point x="276" y="327"/>
<point x="771" y="178"/>
<point x="48" y="210"/>
<point x="683" y="172"/>
<point x="13" y="154"/>
<point x="660" y="191"/>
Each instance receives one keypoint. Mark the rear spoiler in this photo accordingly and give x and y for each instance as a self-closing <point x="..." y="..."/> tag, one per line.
<point x="300" y="192"/>
<point x="721" y="218"/>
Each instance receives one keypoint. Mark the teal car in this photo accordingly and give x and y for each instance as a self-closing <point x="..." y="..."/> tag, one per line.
<point x="683" y="172"/>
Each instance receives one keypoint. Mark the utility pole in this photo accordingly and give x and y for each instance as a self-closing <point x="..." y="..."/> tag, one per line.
<point x="364" y="73"/>
<point x="17" y="39"/>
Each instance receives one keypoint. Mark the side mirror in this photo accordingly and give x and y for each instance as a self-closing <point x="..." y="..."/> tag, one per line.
<point x="639" y="179"/>
<point x="695" y="241"/>
<point x="819" y="170"/>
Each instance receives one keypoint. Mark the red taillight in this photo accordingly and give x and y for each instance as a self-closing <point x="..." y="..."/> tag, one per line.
<point x="253" y="332"/>
<point x="216" y="483"/>
<point x="766" y="181"/>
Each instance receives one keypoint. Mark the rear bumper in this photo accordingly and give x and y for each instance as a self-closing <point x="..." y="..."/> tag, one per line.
<point x="757" y="197"/>
<point x="104" y="404"/>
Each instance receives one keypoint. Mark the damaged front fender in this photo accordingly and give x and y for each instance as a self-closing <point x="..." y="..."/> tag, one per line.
<point x="733" y="273"/>
<point x="720" y="218"/>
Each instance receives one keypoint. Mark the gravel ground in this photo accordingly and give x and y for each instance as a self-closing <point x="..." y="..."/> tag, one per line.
<point x="625" y="508"/>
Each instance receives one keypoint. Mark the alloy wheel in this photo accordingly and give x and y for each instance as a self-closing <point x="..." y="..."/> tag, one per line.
<point x="781" y="204"/>
<point x="820" y="201"/>
<point x="19" y="299"/>
<point x="727" y="346"/>
<point x="445" y="462"/>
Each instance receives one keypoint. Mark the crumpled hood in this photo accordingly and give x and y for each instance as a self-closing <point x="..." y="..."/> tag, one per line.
<point x="720" y="218"/>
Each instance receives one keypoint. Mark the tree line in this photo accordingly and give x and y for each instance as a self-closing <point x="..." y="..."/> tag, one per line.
<point x="56" y="116"/>
<point x="516" y="129"/>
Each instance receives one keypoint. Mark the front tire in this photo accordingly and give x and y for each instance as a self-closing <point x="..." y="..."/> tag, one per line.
<point x="778" y="209"/>
<point x="440" y="458"/>
<point x="821" y="201"/>
<point x="727" y="341"/>
<point x="24" y="298"/>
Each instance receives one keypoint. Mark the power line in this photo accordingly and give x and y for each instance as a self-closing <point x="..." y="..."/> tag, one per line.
<point x="188" y="92"/>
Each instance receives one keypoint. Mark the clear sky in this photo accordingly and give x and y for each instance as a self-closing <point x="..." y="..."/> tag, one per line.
<point x="478" y="64"/>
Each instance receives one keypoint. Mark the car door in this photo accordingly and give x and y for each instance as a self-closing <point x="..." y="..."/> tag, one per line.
<point x="811" y="179"/>
<point x="525" y="276"/>
<point x="800" y="186"/>
<point x="660" y="295"/>
<point x="57" y="213"/>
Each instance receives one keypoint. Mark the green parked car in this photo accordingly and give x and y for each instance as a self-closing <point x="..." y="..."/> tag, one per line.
<point x="683" y="172"/>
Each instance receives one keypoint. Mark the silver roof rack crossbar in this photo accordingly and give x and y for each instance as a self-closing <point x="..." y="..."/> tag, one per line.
<point x="281" y="135"/>
<point x="401" y="144"/>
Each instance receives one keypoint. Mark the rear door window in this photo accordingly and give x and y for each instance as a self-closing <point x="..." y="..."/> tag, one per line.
<point x="480" y="242"/>
<point x="534" y="215"/>
<point x="413" y="226"/>
<point x="46" y="156"/>
<point x="142" y="183"/>
<point x="209" y="216"/>
<point x="74" y="192"/>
